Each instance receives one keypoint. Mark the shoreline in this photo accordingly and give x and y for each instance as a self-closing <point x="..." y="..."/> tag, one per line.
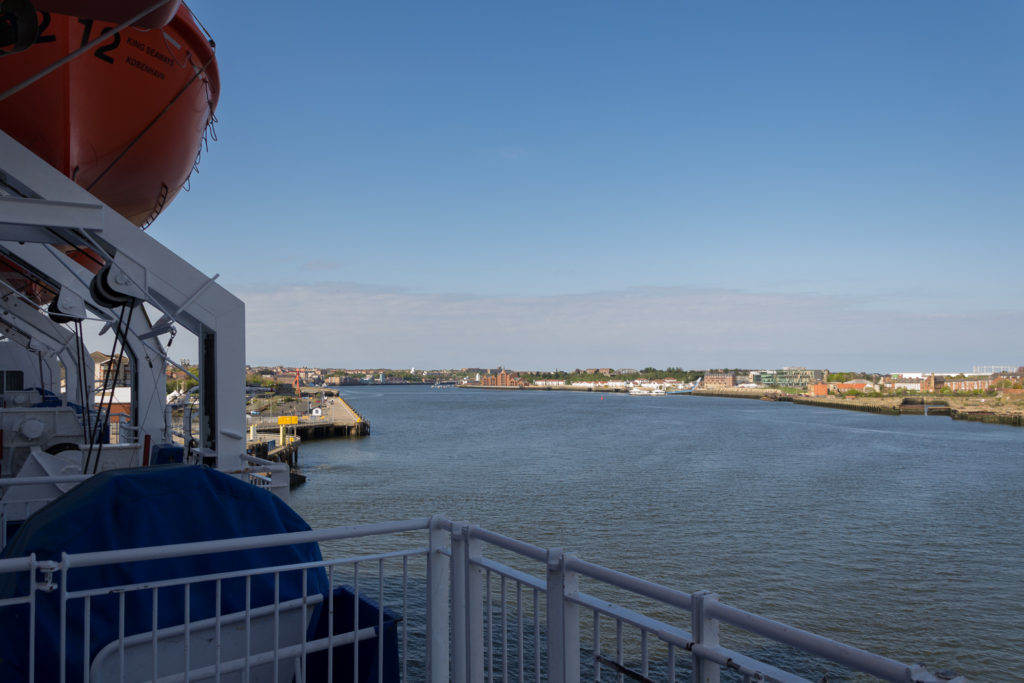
<point x="605" y="390"/>
<point x="969" y="409"/>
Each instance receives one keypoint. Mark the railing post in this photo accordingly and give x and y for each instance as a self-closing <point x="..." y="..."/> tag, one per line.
<point x="467" y="607"/>
<point x="705" y="632"/>
<point x="280" y="481"/>
<point x="563" y="620"/>
<point x="459" y="593"/>
<point x="437" y="604"/>
<point x="474" y="610"/>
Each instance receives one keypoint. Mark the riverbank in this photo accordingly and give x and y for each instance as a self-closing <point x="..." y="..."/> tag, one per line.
<point x="603" y="390"/>
<point x="988" y="409"/>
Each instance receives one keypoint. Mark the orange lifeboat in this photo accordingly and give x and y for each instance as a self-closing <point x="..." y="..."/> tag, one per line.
<point x="125" y="120"/>
<point x="114" y="11"/>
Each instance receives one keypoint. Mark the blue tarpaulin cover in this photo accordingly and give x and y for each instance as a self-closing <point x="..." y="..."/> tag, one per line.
<point x="150" y="506"/>
<point x="345" y="620"/>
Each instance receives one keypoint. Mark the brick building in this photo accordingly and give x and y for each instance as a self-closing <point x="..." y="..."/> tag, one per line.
<point x="851" y="385"/>
<point x="719" y="380"/>
<point x="969" y="384"/>
<point x="818" y="389"/>
<point x="502" y="379"/>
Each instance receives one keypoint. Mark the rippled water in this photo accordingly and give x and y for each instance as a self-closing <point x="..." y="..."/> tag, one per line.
<point x="902" y="535"/>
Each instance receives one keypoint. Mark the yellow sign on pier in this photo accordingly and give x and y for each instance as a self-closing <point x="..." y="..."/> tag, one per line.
<point x="288" y="420"/>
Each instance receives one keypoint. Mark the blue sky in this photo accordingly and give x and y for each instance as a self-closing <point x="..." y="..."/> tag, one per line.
<point x="573" y="184"/>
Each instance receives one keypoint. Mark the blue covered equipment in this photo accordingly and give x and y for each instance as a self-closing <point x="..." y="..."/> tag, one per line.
<point x="136" y="508"/>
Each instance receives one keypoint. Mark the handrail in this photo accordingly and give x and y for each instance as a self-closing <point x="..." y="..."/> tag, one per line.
<point x="17" y="564"/>
<point x="558" y="581"/>
<point x="255" y="460"/>
<point x="618" y="579"/>
<point x="533" y="552"/>
<point x="847" y="655"/>
<point x="55" y="479"/>
<point x="244" y="543"/>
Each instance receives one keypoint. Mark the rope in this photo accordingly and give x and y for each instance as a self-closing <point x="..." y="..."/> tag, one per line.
<point x="80" y="51"/>
<point x="109" y="382"/>
<point x="83" y="391"/>
<point x="152" y="123"/>
<point x="75" y="248"/>
<point x="96" y="423"/>
<point x="117" y="371"/>
<point x="200" y="25"/>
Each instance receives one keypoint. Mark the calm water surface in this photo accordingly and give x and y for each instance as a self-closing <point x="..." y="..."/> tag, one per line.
<point x="902" y="535"/>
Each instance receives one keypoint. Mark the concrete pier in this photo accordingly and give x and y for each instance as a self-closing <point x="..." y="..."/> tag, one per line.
<point x="337" y="419"/>
<point x="277" y="437"/>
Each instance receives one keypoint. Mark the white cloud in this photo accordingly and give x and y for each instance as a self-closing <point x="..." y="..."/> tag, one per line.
<point x="347" y="325"/>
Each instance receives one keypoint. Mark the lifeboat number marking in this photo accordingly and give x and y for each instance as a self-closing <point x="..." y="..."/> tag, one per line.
<point x="103" y="49"/>
<point x="44" y="23"/>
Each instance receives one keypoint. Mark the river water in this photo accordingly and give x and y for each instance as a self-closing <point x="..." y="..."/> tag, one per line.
<point x="899" y="534"/>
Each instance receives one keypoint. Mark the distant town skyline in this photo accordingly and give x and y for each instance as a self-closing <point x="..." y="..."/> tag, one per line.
<point x="636" y="328"/>
<point x="976" y="370"/>
<point x="829" y="184"/>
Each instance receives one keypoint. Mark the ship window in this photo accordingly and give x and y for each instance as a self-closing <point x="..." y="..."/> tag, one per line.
<point x="13" y="380"/>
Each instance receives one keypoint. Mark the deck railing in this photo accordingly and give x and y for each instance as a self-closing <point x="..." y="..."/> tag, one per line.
<point x="38" y="492"/>
<point x="471" y="606"/>
<point x="265" y="474"/>
<point x="269" y="475"/>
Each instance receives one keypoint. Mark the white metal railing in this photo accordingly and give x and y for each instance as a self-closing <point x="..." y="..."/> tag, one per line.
<point x="464" y="616"/>
<point x="270" y="475"/>
<point x="43" y="489"/>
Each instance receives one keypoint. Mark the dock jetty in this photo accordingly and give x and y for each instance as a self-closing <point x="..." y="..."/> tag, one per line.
<point x="335" y="419"/>
<point x="277" y="437"/>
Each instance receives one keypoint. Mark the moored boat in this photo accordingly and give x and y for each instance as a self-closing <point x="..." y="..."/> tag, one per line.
<point x="641" y="391"/>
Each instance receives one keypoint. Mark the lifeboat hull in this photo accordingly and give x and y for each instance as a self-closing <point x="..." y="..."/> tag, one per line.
<point x="126" y="119"/>
<point x="115" y="11"/>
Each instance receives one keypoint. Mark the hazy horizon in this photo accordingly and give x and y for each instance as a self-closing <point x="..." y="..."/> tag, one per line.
<point x="687" y="184"/>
